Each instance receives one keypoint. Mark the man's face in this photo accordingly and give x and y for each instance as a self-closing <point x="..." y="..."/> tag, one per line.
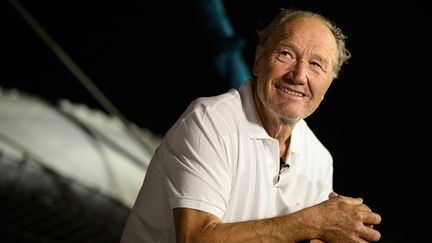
<point x="295" y="69"/>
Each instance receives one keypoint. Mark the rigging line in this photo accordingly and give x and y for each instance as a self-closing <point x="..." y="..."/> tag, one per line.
<point x="64" y="57"/>
<point x="77" y="71"/>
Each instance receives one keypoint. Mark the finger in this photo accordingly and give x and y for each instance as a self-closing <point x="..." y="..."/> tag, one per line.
<point x="372" y="218"/>
<point x="370" y="234"/>
<point x="351" y="200"/>
<point x="365" y="208"/>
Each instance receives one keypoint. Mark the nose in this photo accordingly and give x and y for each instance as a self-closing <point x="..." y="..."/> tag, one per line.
<point x="297" y="72"/>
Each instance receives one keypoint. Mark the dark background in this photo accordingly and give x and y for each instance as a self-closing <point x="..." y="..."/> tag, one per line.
<point x="152" y="58"/>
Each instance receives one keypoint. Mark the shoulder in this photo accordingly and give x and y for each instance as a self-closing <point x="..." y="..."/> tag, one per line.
<point x="209" y="113"/>
<point x="214" y="108"/>
<point x="215" y="104"/>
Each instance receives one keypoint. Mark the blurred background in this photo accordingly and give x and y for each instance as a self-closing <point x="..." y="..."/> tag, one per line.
<point x="71" y="165"/>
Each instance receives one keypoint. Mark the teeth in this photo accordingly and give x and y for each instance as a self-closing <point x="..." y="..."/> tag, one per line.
<point x="291" y="92"/>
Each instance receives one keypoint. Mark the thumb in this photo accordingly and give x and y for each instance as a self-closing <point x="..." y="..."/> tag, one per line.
<point x="333" y="194"/>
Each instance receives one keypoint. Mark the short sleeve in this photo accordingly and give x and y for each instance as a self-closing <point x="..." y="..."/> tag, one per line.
<point x="196" y="166"/>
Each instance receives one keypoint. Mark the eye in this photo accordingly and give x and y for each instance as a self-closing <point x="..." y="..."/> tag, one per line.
<point x="318" y="66"/>
<point x="285" y="56"/>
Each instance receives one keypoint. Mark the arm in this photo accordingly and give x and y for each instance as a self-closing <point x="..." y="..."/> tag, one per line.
<point x="339" y="219"/>
<point x="198" y="226"/>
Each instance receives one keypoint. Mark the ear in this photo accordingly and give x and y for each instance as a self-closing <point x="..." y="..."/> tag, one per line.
<point x="258" y="54"/>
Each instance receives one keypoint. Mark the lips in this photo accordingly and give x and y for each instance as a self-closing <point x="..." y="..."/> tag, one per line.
<point x="289" y="91"/>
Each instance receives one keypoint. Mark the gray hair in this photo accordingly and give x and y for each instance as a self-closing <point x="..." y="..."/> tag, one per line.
<point x="288" y="15"/>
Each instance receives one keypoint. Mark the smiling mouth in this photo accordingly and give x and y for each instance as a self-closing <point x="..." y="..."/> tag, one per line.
<point x="289" y="91"/>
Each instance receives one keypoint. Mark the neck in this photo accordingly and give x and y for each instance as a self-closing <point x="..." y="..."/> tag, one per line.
<point x="274" y="126"/>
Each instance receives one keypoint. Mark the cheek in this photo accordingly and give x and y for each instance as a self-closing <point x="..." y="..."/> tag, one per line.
<point x="320" y="89"/>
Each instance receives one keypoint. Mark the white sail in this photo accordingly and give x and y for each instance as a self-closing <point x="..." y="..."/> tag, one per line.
<point x="85" y="146"/>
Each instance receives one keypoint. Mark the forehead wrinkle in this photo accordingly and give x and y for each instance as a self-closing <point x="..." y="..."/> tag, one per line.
<point x="314" y="31"/>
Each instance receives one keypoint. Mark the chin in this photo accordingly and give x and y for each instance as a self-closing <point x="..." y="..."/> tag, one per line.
<point x="290" y="120"/>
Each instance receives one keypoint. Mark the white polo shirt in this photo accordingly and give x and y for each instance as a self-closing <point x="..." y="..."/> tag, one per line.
<point x="219" y="159"/>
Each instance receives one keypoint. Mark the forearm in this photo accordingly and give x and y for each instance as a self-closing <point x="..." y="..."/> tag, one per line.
<point x="339" y="219"/>
<point x="290" y="228"/>
<point x="267" y="230"/>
